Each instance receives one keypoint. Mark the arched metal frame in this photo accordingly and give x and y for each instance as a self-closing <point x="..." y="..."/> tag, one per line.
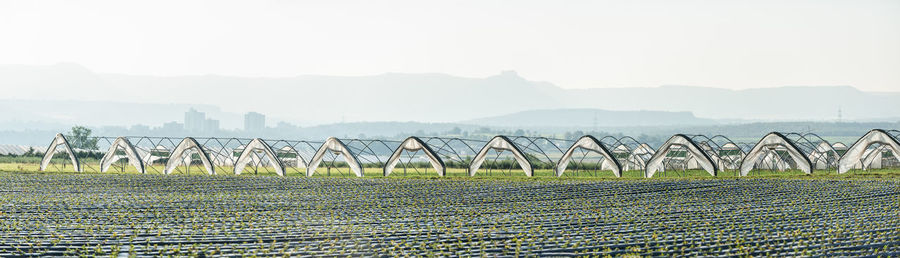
<point x="187" y="146"/>
<point x="589" y="144"/>
<point x="501" y="143"/>
<point x="861" y="154"/>
<point x="337" y="146"/>
<point x="134" y="158"/>
<point x="295" y="154"/>
<point x="781" y="150"/>
<point x="687" y="143"/>
<point x="58" y="140"/>
<point x="772" y="141"/>
<point x="154" y="151"/>
<point x="631" y="153"/>
<point x="819" y="151"/>
<point x="357" y="153"/>
<point x="543" y="152"/>
<point x="455" y="152"/>
<point x="526" y="151"/>
<point x="250" y="151"/>
<point x="224" y="153"/>
<point x="413" y="145"/>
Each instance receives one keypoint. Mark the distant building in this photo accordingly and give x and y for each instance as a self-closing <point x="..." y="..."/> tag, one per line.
<point x="172" y="127"/>
<point x="194" y="121"/>
<point x="282" y="126"/>
<point x="139" y="128"/>
<point x="211" y="125"/>
<point x="254" y="122"/>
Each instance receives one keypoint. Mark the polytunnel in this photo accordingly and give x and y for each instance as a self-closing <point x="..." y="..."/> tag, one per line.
<point x="154" y="151"/>
<point x="60" y="140"/>
<point x="224" y="154"/>
<point x="253" y="152"/>
<point x="725" y="153"/>
<point x="130" y="153"/>
<point x="632" y="154"/>
<point x="730" y="156"/>
<point x="411" y="146"/>
<point x="878" y="148"/>
<point x="214" y="153"/>
<point x="793" y="149"/>
<point x="356" y="153"/>
<point x="182" y="155"/>
<point x="681" y="150"/>
<point x="840" y="148"/>
<point x="454" y="153"/>
<point x="528" y="153"/>
<point x="579" y="151"/>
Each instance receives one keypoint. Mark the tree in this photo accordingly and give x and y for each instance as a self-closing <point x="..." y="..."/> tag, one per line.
<point x="81" y="138"/>
<point x="30" y="153"/>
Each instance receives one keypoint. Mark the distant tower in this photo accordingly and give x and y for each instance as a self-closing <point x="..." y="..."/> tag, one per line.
<point x="254" y="122"/>
<point x="194" y="121"/>
<point x="840" y="115"/>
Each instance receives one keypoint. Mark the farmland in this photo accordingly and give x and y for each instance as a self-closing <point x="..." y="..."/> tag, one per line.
<point x="109" y="214"/>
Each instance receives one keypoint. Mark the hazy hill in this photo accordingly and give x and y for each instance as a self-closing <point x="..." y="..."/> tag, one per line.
<point x="309" y="100"/>
<point x="589" y="118"/>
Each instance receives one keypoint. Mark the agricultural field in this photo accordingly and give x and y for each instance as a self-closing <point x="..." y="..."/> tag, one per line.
<point x="56" y="213"/>
<point x="425" y="172"/>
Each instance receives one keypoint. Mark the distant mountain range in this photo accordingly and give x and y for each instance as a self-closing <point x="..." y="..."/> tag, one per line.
<point x="588" y="118"/>
<point x="504" y="99"/>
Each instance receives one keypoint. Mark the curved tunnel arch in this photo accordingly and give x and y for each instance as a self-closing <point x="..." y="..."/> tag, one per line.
<point x="187" y="144"/>
<point x="58" y="140"/>
<point x="702" y="158"/>
<point x="590" y="143"/>
<point x="855" y="153"/>
<point x="414" y="144"/>
<point x="250" y="151"/>
<point x="501" y="143"/>
<point x="773" y="140"/>
<point x="335" y="145"/>
<point x="134" y="158"/>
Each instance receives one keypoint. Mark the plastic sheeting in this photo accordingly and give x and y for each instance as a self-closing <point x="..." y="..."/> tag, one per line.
<point x="334" y="145"/>
<point x="183" y="152"/>
<point x="854" y="156"/>
<point x="134" y="158"/>
<point x="59" y="139"/>
<point x="771" y="141"/>
<point x="249" y="154"/>
<point x="656" y="162"/>
<point x="414" y="144"/>
<point x="500" y="143"/>
<point x="590" y="143"/>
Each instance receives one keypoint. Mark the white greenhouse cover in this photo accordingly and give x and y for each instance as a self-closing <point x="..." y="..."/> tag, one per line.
<point x="183" y="152"/>
<point x="48" y="155"/>
<point x="856" y="153"/>
<point x="679" y="140"/>
<point x="249" y="154"/>
<point x="334" y="145"/>
<point x="774" y="140"/>
<point x="414" y="144"/>
<point x="300" y="162"/>
<point x="590" y="143"/>
<point x="500" y="143"/>
<point x="134" y="158"/>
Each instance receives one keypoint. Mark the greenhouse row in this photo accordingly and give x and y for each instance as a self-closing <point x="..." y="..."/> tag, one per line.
<point x="713" y="155"/>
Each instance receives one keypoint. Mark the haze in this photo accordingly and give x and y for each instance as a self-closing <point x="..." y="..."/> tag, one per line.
<point x="573" y="44"/>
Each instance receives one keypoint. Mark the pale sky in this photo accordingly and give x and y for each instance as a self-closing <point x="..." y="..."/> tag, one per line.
<point x="573" y="44"/>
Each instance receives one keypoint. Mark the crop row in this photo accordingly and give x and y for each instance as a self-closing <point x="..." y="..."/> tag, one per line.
<point x="103" y="214"/>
